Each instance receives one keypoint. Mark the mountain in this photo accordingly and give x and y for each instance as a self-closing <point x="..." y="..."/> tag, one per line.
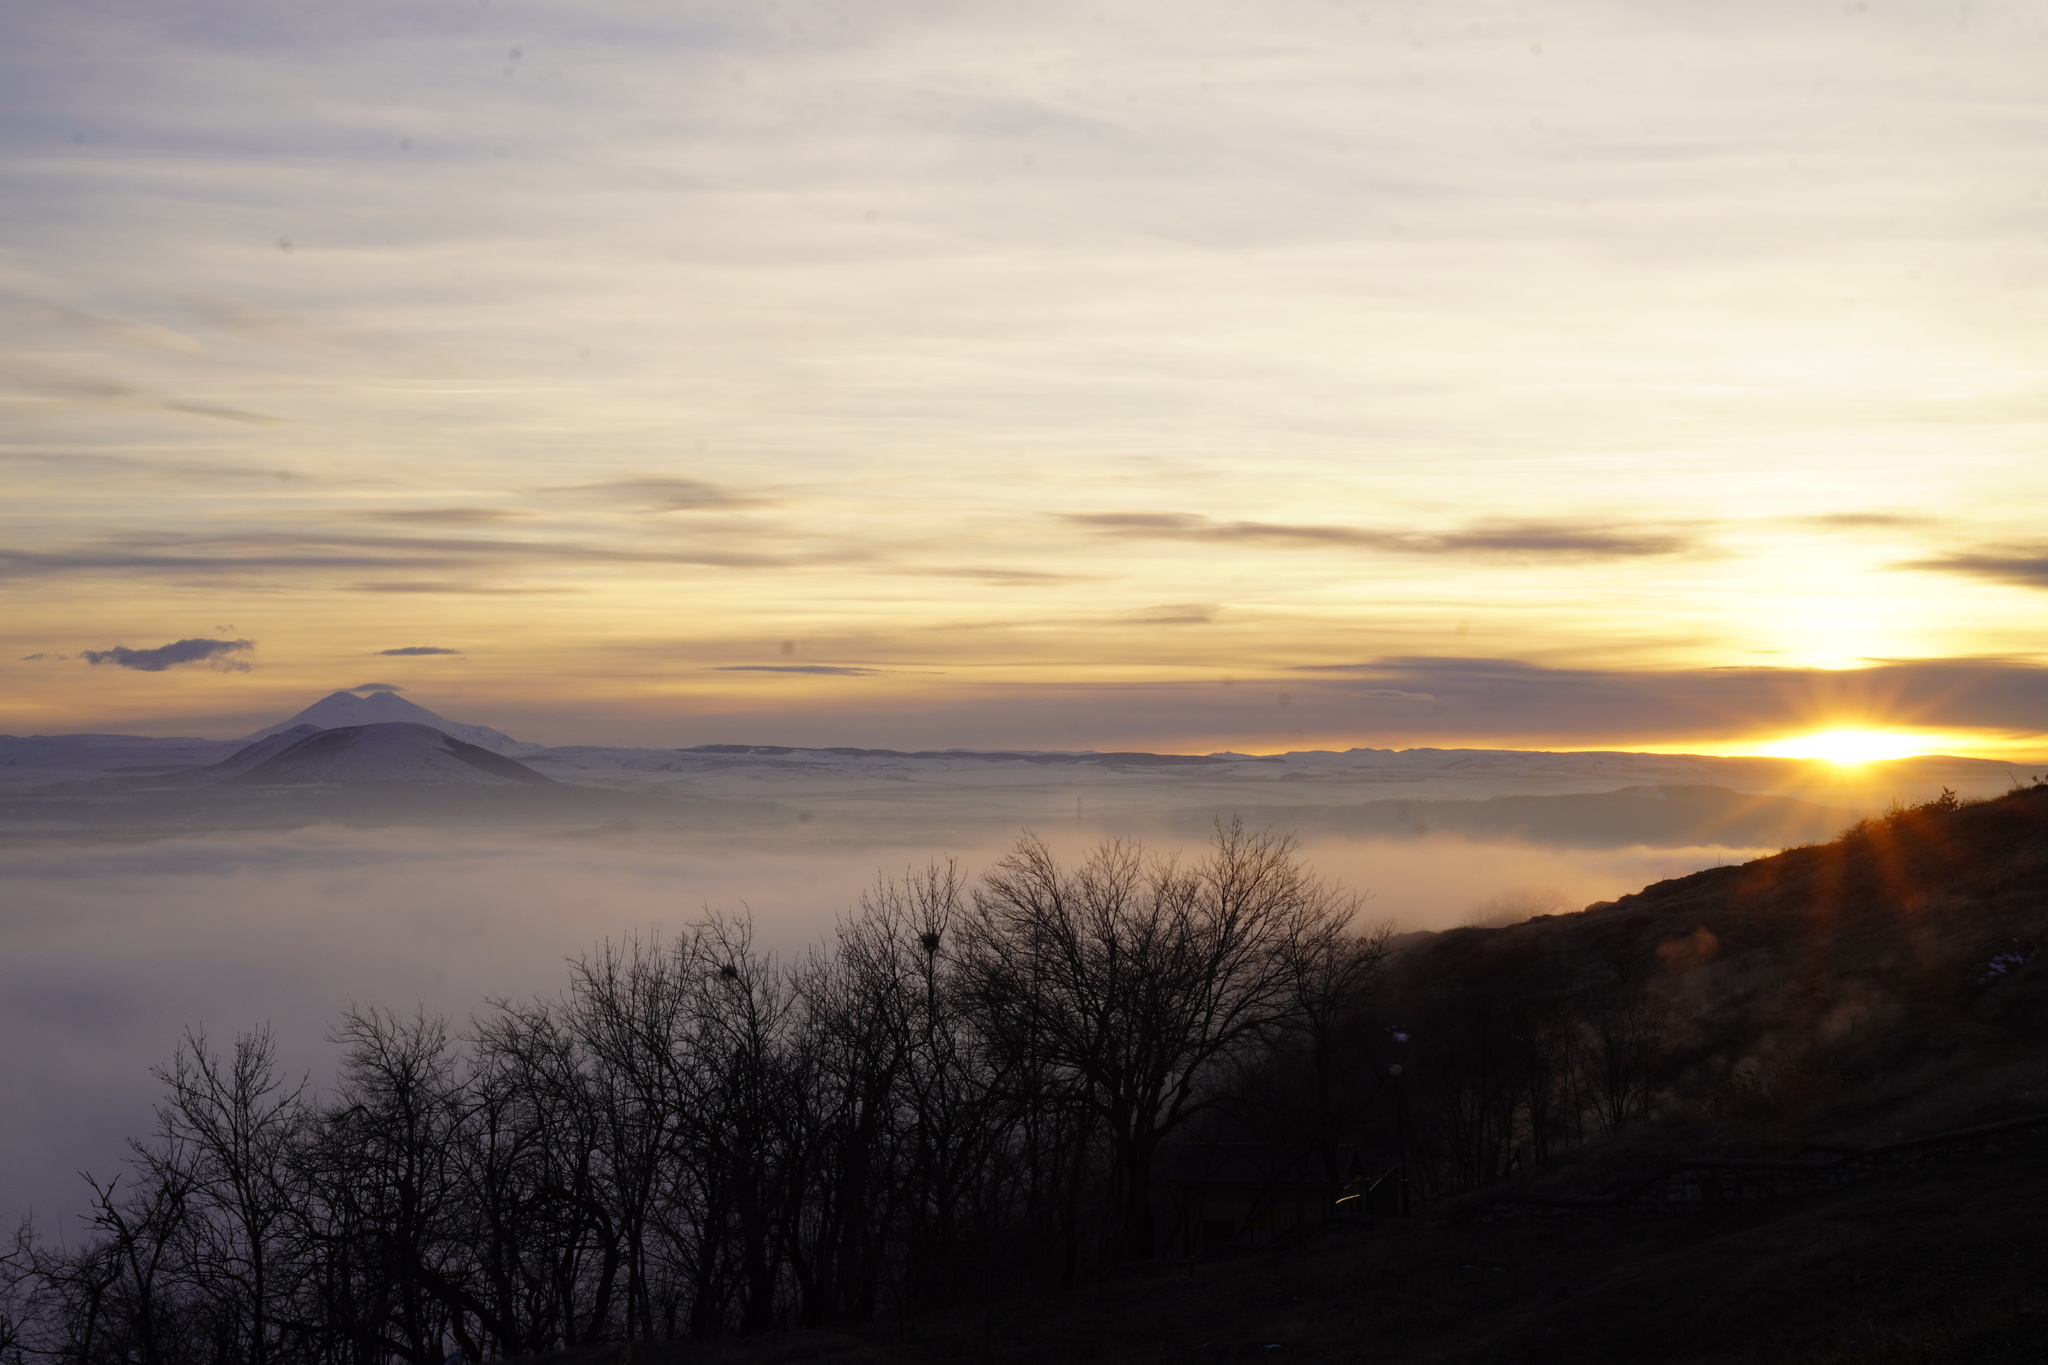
<point x="248" y="756"/>
<point x="391" y="751"/>
<point x="339" y="709"/>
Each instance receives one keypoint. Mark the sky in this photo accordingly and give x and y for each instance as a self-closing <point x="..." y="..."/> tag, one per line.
<point x="1191" y="376"/>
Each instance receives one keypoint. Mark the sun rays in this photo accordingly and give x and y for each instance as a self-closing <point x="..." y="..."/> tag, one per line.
<point x="1849" y="746"/>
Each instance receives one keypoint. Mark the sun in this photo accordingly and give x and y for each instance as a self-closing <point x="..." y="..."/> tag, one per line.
<point x="1850" y="746"/>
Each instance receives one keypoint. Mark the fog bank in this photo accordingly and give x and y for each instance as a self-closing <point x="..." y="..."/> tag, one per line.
<point x="112" y="951"/>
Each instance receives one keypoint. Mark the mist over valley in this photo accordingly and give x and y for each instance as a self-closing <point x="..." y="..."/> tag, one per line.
<point x="352" y="854"/>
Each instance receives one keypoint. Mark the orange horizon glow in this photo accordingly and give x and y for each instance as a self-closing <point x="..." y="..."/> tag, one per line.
<point x="1851" y="746"/>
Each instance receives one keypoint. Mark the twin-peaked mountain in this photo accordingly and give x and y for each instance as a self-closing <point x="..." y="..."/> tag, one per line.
<point x="378" y="737"/>
<point x="339" y="710"/>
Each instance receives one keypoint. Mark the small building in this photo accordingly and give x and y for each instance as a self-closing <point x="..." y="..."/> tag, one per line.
<point x="1230" y="1195"/>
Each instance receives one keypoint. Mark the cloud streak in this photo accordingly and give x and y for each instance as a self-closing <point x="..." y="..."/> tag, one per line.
<point x="821" y="670"/>
<point x="220" y="654"/>
<point x="30" y="381"/>
<point x="100" y="464"/>
<point x="662" y="493"/>
<point x="316" y="551"/>
<point x="1531" y="539"/>
<point x="2028" y="570"/>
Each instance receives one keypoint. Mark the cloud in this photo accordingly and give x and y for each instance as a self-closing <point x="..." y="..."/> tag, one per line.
<point x="1541" y="539"/>
<point x="374" y="687"/>
<point x="1514" y="699"/>
<point x="2027" y="570"/>
<point x="1174" y="614"/>
<point x="31" y="658"/>
<point x="90" y="391"/>
<point x="447" y="516"/>
<point x="122" y="331"/>
<point x="1006" y="577"/>
<point x="412" y="651"/>
<point x="662" y="493"/>
<point x="430" y="586"/>
<point x="130" y="467"/>
<point x="219" y="653"/>
<point x="1395" y="694"/>
<point x="1472" y="703"/>
<point x="1864" y="521"/>
<point x="269" y="555"/>
<point x="828" y="670"/>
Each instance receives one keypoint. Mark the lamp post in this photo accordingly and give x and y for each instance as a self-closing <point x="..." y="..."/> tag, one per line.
<point x="1400" y="1136"/>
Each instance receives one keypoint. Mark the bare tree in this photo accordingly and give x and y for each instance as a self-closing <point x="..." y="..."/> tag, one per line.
<point x="1332" y="972"/>
<point x="1141" y="975"/>
<point x="743" y="1012"/>
<point x="548" y="1243"/>
<point x="1624" y="1038"/>
<point x="20" y="1312"/>
<point x="386" y="1169"/>
<point x="228" y="1131"/>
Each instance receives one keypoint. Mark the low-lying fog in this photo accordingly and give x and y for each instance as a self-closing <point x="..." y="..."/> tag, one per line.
<point x="112" y="950"/>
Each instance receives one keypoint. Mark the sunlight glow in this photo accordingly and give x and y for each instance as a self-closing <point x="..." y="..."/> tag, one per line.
<point x="1852" y="746"/>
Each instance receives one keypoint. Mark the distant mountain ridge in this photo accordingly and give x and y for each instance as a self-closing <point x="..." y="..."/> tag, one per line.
<point x="382" y="757"/>
<point x="1661" y="815"/>
<point x="337" y="710"/>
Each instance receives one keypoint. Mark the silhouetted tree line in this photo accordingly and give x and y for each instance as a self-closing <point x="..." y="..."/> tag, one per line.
<point x="970" y="1091"/>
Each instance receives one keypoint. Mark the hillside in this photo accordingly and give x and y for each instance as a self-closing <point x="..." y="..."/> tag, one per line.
<point x="1888" y="983"/>
<point x="1873" y="984"/>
